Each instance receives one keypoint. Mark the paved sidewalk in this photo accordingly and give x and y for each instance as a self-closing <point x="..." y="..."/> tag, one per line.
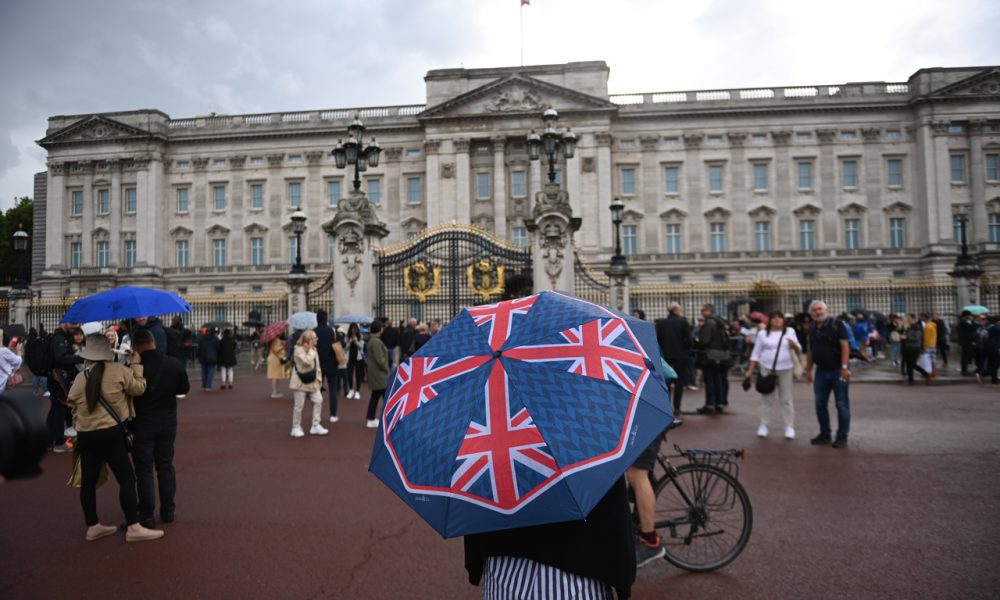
<point x="908" y="510"/>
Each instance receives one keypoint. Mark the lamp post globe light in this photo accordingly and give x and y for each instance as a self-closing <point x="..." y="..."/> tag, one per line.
<point x="551" y="141"/>
<point x="354" y="152"/>
<point x="20" y="249"/>
<point x="298" y="227"/>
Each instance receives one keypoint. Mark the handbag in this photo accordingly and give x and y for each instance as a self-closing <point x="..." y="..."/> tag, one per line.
<point x="76" y="473"/>
<point x="718" y="359"/>
<point x="15" y="379"/>
<point x="766" y="383"/>
<point x="308" y="376"/>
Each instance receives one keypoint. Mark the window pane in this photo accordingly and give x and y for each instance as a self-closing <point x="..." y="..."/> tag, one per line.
<point x="956" y="229"/>
<point x="219" y="193"/>
<point x="414" y="194"/>
<point x="182" y="200"/>
<point x="628" y="181"/>
<point x="130" y="200"/>
<point x="519" y="235"/>
<point x="182" y="253"/>
<point x="958" y="168"/>
<point x="76" y="254"/>
<point x="672" y="185"/>
<point x="894" y="172"/>
<point x="219" y="253"/>
<point x="718" y="237"/>
<point x="760" y="177"/>
<point x="993" y="167"/>
<point x="630" y="242"/>
<point x="257" y="196"/>
<point x="805" y="175"/>
<point x="715" y="178"/>
<point x="293" y="249"/>
<point x="518" y="187"/>
<point x="102" y="254"/>
<point x="333" y="192"/>
<point x="994" y="228"/>
<point x="130" y="253"/>
<point x="331" y="247"/>
<point x="852" y="234"/>
<point x="673" y="238"/>
<point x="375" y="191"/>
<point x="897" y="233"/>
<point x="762" y="236"/>
<point x="257" y="251"/>
<point x="849" y="173"/>
<point x="483" y="185"/>
<point x="295" y="194"/>
<point x="807" y="240"/>
<point x="103" y="202"/>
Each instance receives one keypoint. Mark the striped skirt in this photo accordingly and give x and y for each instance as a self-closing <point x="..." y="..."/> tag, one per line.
<point x="507" y="578"/>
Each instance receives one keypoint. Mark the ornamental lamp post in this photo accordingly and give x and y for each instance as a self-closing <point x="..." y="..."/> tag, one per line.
<point x="298" y="227"/>
<point x="353" y="152"/>
<point x="619" y="263"/>
<point x="551" y="141"/>
<point x="20" y="249"/>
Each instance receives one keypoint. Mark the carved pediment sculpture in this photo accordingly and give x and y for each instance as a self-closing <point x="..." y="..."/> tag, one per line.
<point x="985" y="83"/>
<point x="673" y="215"/>
<point x="255" y="228"/>
<point x="447" y="170"/>
<point x="552" y="198"/>
<point x="806" y="210"/>
<point x="718" y="213"/>
<point x="762" y="212"/>
<point x="899" y="208"/>
<point x="217" y="229"/>
<point x="852" y="208"/>
<point x="181" y="231"/>
<point x="515" y="98"/>
<point x="95" y="129"/>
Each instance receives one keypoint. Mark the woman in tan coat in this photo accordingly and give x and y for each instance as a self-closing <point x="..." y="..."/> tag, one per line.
<point x="102" y="388"/>
<point x="306" y="366"/>
<point x="276" y="370"/>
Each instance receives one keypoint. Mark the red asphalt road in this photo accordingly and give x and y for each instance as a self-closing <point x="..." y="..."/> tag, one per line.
<point x="910" y="510"/>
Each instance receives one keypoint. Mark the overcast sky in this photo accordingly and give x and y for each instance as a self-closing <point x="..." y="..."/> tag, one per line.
<point x="192" y="57"/>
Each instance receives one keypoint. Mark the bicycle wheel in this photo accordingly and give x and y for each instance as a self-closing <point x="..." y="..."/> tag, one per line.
<point x="703" y="516"/>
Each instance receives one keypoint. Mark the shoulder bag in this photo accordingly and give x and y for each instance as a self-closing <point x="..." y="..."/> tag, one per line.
<point x="306" y="377"/>
<point x="128" y="435"/>
<point x="766" y="383"/>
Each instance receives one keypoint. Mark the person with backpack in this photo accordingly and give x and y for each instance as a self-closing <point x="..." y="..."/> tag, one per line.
<point x="60" y="361"/>
<point x="829" y="351"/>
<point x="208" y="356"/>
<point x="988" y="349"/>
<point x="913" y="347"/>
<point x="715" y="360"/>
<point x="966" y="332"/>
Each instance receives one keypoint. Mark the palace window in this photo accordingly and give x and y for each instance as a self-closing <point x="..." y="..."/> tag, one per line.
<point x="628" y="182"/>
<point x="852" y="234"/>
<point x="993" y="168"/>
<point x="75" y="254"/>
<point x="295" y="194"/>
<point x="219" y="195"/>
<point x="129" y="252"/>
<point x="715" y="178"/>
<point x="994" y="225"/>
<point x="958" y="168"/>
<point x="718" y="237"/>
<point x="414" y="190"/>
<point x="257" y="251"/>
<point x="849" y="174"/>
<point x="219" y="253"/>
<point x="103" y="202"/>
<point x="77" y="202"/>
<point x="182" y="200"/>
<point x="519" y="236"/>
<point x="805" y="175"/>
<point x="181" y="253"/>
<point x="256" y="196"/>
<point x="673" y="238"/>
<point x="760" y="177"/>
<point x="956" y="229"/>
<point x="483" y="188"/>
<point x="331" y="247"/>
<point x="102" y="254"/>
<point x="672" y="179"/>
<point x="807" y="234"/>
<point x="894" y="172"/>
<point x="762" y="236"/>
<point x="375" y="191"/>
<point x="333" y="192"/>
<point x="293" y="249"/>
<point x="897" y="232"/>
<point x="518" y="184"/>
<point x="130" y="200"/>
<point x="630" y="240"/>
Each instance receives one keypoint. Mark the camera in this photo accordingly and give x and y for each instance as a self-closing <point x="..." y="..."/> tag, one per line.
<point x="24" y="436"/>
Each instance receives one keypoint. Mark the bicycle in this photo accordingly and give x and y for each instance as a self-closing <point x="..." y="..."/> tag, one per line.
<point x="703" y="513"/>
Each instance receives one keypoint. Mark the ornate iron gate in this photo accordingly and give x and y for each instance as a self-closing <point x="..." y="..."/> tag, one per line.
<point x="319" y="296"/>
<point x="588" y="284"/>
<point x="446" y="269"/>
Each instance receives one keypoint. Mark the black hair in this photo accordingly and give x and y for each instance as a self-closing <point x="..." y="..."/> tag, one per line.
<point x="375" y="327"/>
<point x="321" y="316"/>
<point x="141" y="337"/>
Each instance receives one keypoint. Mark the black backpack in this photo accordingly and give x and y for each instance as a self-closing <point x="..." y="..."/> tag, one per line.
<point x="38" y="355"/>
<point x="914" y="337"/>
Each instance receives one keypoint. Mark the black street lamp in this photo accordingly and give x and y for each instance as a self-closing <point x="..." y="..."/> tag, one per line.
<point x="619" y="263"/>
<point x="298" y="227"/>
<point x="20" y="250"/>
<point x="353" y="152"/>
<point x="551" y="141"/>
<point x="964" y="258"/>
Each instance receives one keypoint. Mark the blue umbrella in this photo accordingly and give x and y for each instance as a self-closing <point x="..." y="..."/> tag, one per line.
<point x="125" y="302"/>
<point x="975" y="309"/>
<point x="303" y="320"/>
<point x="521" y="413"/>
<point x="348" y="319"/>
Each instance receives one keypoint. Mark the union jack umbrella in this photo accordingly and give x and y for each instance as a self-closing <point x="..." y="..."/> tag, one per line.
<point x="520" y="413"/>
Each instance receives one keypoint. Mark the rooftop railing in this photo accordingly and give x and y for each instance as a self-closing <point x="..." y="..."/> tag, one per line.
<point x="344" y="115"/>
<point x="849" y="91"/>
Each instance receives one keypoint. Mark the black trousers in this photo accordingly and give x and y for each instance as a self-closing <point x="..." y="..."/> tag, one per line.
<point x="58" y="413"/>
<point x="106" y="446"/>
<point x="678" y="385"/>
<point x="154" y="449"/>
<point x="910" y="358"/>
<point x="356" y="373"/>
<point x="373" y="402"/>
<point x="968" y="358"/>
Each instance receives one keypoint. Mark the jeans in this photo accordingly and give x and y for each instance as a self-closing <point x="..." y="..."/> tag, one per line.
<point x="823" y="382"/>
<point x="106" y="446"/>
<point x="207" y="373"/>
<point x="894" y="351"/>
<point x="154" y="448"/>
<point x="716" y="386"/>
<point x="39" y="382"/>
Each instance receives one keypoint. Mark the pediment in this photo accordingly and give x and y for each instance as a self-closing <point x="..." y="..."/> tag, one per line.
<point x="718" y="213"/>
<point x="181" y="231"/>
<point x="217" y="230"/>
<point x="255" y="228"/>
<point x="898" y="207"/>
<point x="632" y="215"/>
<point x="673" y="213"/>
<point x="763" y="212"/>
<point x="984" y="83"/>
<point x="413" y="223"/>
<point x="95" y="129"/>
<point x="806" y="210"/>
<point x="516" y="95"/>
<point x="852" y="208"/>
<point x="100" y="232"/>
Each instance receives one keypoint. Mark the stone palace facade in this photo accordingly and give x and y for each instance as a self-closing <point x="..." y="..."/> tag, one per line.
<point x="847" y="181"/>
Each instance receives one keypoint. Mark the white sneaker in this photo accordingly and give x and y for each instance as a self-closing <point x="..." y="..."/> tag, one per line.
<point x="69" y="432"/>
<point x="762" y="431"/>
<point x="357" y="394"/>
<point x="372" y="424"/>
<point x="46" y="394"/>
<point x="334" y="419"/>
<point x="318" y="430"/>
<point x="297" y="432"/>
<point x="277" y="395"/>
<point x="789" y="433"/>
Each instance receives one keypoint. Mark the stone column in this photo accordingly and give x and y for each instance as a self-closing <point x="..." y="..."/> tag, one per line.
<point x="604" y="233"/>
<point x="651" y="192"/>
<point x="695" y="174"/>
<point x="358" y="233"/>
<point x="829" y="183"/>
<point x="395" y="188"/>
<point x="433" y="202"/>
<point x="552" y="225"/>
<point x="463" y="203"/>
<point x="56" y="211"/>
<point x="298" y="286"/>
<point x="785" y="185"/>
<point x="980" y="220"/>
<point x="116" y="247"/>
<point x="20" y="300"/>
<point x="618" y="293"/>
<point x="499" y="188"/>
<point x="89" y="210"/>
<point x="739" y="193"/>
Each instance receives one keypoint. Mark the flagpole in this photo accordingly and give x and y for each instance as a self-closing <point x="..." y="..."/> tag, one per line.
<point x="522" y="33"/>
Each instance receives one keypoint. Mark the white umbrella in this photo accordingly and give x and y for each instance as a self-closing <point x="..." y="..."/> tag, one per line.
<point x="303" y="320"/>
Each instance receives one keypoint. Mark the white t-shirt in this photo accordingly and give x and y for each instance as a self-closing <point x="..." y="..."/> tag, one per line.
<point x="766" y="345"/>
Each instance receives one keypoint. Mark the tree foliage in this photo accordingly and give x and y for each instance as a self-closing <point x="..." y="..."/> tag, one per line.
<point x="19" y="216"/>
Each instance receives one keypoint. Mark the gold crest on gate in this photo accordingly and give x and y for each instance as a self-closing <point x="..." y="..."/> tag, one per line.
<point x="485" y="278"/>
<point x="421" y="280"/>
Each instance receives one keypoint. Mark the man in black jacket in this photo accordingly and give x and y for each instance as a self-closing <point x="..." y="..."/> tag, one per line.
<point x="327" y="364"/>
<point x="713" y="341"/>
<point x="155" y="428"/>
<point x="64" y="371"/>
<point x="390" y="337"/>
<point x="966" y="333"/>
<point x="673" y="334"/>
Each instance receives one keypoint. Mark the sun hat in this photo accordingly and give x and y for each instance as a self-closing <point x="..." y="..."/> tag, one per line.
<point x="97" y="348"/>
